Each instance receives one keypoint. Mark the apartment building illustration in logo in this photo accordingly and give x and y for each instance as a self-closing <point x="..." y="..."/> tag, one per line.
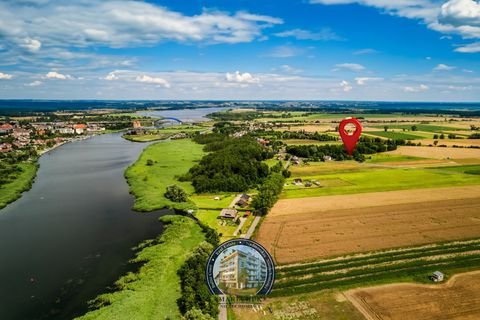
<point x="241" y="269"/>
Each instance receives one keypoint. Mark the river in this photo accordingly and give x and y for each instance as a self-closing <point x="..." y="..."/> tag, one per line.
<point x="187" y="115"/>
<point x="70" y="237"/>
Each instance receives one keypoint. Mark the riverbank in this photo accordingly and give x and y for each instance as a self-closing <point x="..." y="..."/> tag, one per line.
<point x="148" y="180"/>
<point x="152" y="292"/>
<point x="23" y="182"/>
<point x="12" y="191"/>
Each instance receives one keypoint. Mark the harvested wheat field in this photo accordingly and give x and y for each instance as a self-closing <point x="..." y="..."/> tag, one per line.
<point x="437" y="152"/>
<point x="319" y="227"/>
<point x="457" y="299"/>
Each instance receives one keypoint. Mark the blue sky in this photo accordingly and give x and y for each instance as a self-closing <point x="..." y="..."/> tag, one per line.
<point x="405" y="50"/>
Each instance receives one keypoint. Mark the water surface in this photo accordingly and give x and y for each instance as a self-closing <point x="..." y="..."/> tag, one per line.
<point x="69" y="237"/>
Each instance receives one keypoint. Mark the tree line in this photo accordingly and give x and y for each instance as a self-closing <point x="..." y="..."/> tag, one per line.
<point x="196" y="302"/>
<point x="365" y="145"/>
<point x="233" y="164"/>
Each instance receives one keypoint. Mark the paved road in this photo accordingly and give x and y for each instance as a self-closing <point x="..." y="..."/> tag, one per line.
<point x="242" y="222"/>
<point x="252" y="227"/>
<point x="222" y="311"/>
<point x="235" y="200"/>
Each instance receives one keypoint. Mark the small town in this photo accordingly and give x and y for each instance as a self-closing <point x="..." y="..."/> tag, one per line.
<point x="19" y="136"/>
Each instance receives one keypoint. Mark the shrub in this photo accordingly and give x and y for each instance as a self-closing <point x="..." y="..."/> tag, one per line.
<point x="176" y="194"/>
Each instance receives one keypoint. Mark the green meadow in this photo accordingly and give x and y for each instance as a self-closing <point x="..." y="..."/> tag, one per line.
<point x="23" y="181"/>
<point x="169" y="160"/>
<point x="467" y="169"/>
<point x="379" y="180"/>
<point x="396" y="135"/>
<point x="152" y="292"/>
<point x="421" y="127"/>
<point x="386" y="157"/>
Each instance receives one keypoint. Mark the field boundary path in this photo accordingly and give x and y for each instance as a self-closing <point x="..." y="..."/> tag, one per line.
<point x="250" y="231"/>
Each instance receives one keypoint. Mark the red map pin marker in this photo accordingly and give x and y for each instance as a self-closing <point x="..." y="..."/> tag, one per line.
<point x="350" y="139"/>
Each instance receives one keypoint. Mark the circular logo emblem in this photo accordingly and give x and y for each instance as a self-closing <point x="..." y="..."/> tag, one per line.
<point x="240" y="267"/>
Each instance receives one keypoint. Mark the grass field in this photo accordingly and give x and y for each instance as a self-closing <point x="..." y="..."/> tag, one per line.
<point x="23" y="182"/>
<point x="385" y="158"/>
<point x="209" y="209"/>
<point x="468" y="169"/>
<point x="170" y="160"/>
<point x="379" y="179"/>
<point x="152" y="293"/>
<point x="397" y="135"/>
<point x="459" y="298"/>
<point x="422" y="127"/>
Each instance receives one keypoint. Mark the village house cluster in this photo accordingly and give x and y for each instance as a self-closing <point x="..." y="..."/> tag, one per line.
<point x="15" y="135"/>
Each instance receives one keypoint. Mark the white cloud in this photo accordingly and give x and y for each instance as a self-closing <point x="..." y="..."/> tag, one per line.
<point x="420" y="88"/>
<point x="285" y="52"/>
<point x="272" y="85"/>
<point x="460" y="88"/>
<point x="443" y="67"/>
<point x="111" y="76"/>
<point x="461" y="17"/>
<point x="32" y="45"/>
<point x="346" y="87"/>
<point x="121" y="24"/>
<point x="363" y="80"/>
<point x="460" y="13"/>
<point x="5" y="76"/>
<point x="469" y="48"/>
<point x="35" y="83"/>
<point x="364" y="51"/>
<point x="355" y="67"/>
<point x="418" y="9"/>
<point x="325" y="34"/>
<point x="258" y="18"/>
<point x="56" y="75"/>
<point x="241" y="77"/>
<point x="289" y="69"/>
<point x="153" y="80"/>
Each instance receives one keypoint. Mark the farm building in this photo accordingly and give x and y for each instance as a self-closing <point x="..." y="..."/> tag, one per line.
<point x="243" y="201"/>
<point x="245" y="197"/>
<point x="228" y="213"/>
<point x="437" y="276"/>
<point x="298" y="181"/>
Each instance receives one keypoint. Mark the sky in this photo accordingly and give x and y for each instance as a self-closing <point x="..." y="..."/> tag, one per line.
<point x="383" y="50"/>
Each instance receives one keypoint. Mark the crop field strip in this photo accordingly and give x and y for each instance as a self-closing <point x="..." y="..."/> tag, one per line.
<point x="458" y="298"/>
<point x="377" y="267"/>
